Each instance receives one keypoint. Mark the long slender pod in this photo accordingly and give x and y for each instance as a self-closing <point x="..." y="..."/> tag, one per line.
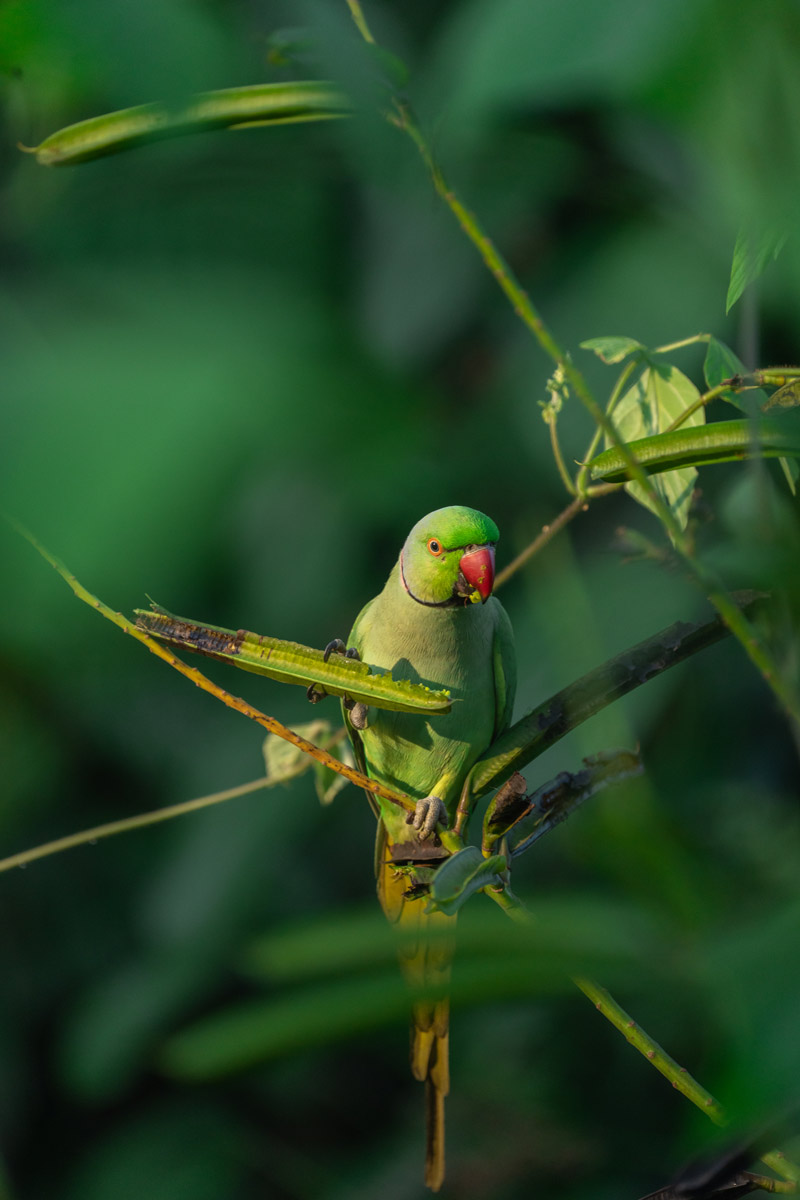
<point x="701" y="445"/>
<point x="230" y="108"/>
<point x="289" y="662"/>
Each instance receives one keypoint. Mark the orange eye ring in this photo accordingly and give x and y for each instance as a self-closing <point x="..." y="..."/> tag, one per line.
<point x="435" y="546"/>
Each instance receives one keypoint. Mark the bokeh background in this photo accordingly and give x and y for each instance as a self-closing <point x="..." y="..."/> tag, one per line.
<point x="236" y="369"/>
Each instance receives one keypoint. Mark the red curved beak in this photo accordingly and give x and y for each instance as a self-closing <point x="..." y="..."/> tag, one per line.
<point x="477" y="567"/>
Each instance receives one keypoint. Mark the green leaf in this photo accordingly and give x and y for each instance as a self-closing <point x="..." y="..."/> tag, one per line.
<point x="345" y="980"/>
<point x="751" y="254"/>
<point x="329" y="783"/>
<point x="612" y="349"/>
<point x="723" y="441"/>
<point x="791" y="469"/>
<point x="659" y="397"/>
<point x="786" y="397"/>
<point x="720" y="364"/>
<point x="283" y="760"/>
<point x="461" y="876"/>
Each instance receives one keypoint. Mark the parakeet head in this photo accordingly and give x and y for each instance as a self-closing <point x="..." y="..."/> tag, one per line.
<point x="448" y="558"/>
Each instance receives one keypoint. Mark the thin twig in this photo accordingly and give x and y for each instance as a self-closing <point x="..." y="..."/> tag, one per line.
<point x="579" y="504"/>
<point x="128" y="823"/>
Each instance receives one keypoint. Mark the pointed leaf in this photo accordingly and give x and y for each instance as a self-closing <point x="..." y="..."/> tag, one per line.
<point x="461" y="876"/>
<point x="612" y="349"/>
<point x="751" y="254"/>
<point x="720" y="364"/>
<point x="659" y="397"/>
<point x="283" y="760"/>
<point x="791" y="469"/>
<point x="786" y="397"/>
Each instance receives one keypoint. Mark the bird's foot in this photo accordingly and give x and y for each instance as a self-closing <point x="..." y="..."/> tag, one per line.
<point x="337" y="646"/>
<point x="428" y="813"/>
<point x="358" y="712"/>
<point x="316" y="692"/>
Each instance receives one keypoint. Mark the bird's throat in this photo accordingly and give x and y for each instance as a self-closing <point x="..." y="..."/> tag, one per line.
<point x="454" y="600"/>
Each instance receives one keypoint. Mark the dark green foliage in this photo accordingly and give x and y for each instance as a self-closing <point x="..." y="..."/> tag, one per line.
<point x="236" y="368"/>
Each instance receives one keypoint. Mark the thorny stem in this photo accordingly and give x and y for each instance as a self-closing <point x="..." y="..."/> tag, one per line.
<point x="678" y="1076"/>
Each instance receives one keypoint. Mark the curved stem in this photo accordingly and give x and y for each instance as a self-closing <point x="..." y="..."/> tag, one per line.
<point x="361" y="21"/>
<point x="591" y="449"/>
<point x="566" y="478"/>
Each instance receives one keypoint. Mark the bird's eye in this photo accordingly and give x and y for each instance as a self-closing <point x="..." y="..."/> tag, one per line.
<point x="435" y="546"/>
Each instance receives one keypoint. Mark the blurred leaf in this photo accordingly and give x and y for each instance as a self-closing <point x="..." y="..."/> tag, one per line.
<point x="721" y="363"/>
<point x="460" y="876"/>
<point x="496" y="958"/>
<point x="355" y="939"/>
<point x="514" y="53"/>
<point x="612" y="349"/>
<point x="245" y="1034"/>
<point x="659" y="397"/>
<point x="286" y="46"/>
<point x="786" y="397"/>
<point x="109" y="1033"/>
<point x="751" y="254"/>
<point x="187" y="1149"/>
<point x="283" y="760"/>
<point x="329" y="783"/>
<point x="791" y="471"/>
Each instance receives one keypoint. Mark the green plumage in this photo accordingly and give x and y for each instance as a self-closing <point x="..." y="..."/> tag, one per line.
<point x="426" y="626"/>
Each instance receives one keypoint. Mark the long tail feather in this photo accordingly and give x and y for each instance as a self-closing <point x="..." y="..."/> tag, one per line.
<point x="424" y="962"/>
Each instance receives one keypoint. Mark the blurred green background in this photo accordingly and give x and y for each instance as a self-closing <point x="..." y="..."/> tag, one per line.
<point x="236" y="369"/>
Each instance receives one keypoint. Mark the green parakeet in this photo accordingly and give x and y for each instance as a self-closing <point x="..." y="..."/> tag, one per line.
<point x="435" y="622"/>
